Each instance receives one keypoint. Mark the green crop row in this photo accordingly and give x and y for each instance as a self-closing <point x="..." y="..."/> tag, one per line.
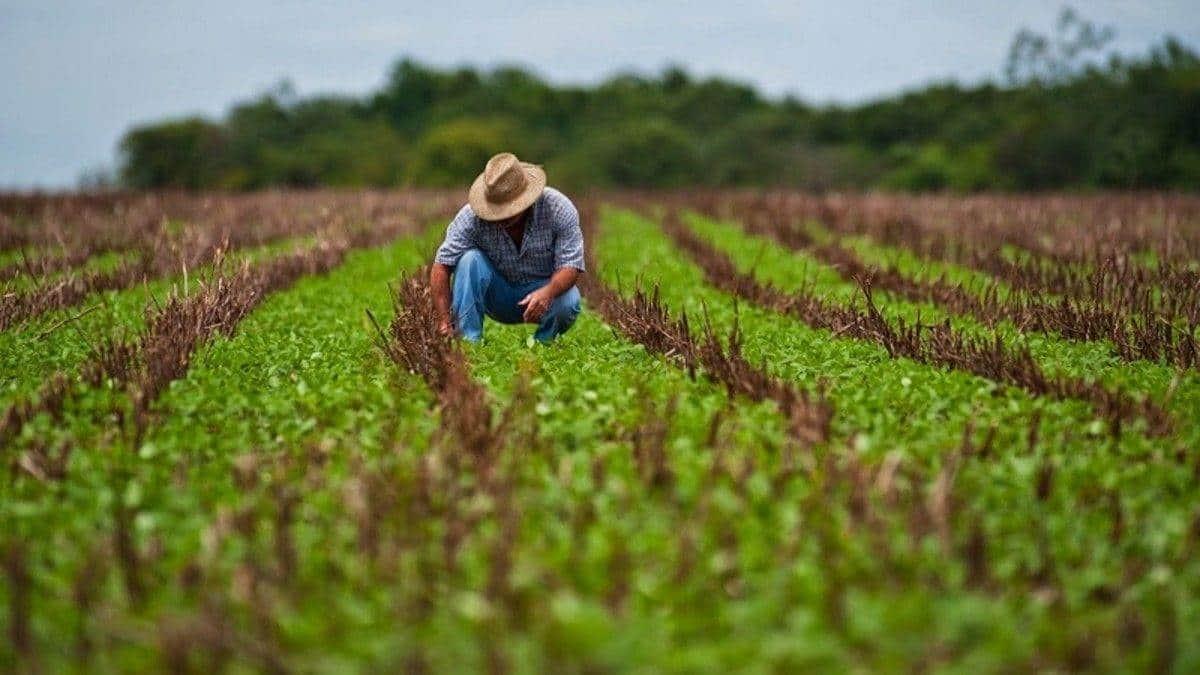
<point x="1093" y="360"/>
<point x="257" y="412"/>
<point x="919" y="414"/>
<point x="62" y="340"/>
<point x="98" y="263"/>
<point x="296" y="505"/>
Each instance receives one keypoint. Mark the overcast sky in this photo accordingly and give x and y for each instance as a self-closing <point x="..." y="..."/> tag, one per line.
<point x="75" y="74"/>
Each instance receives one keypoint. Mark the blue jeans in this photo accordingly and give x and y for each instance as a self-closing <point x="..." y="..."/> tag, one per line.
<point x="479" y="289"/>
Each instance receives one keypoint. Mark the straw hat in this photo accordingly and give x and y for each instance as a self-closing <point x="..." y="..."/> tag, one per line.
<point x="506" y="187"/>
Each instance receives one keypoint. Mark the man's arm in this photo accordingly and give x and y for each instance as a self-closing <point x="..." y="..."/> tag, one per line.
<point x="457" y="241"/>
<point x="439" y="286"/>
<point x="568" y="260"/>
<point x="537" y="302"/>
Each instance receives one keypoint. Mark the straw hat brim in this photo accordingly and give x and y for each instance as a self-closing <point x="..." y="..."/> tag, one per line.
<point x="535" y="184"/>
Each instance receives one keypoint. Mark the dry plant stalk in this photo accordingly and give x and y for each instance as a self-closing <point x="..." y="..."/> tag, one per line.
<point x="149" y="229"/>
<point x="939" y="344"/>
<point x="1149" y="312"/>
<point x="645" y="320"/>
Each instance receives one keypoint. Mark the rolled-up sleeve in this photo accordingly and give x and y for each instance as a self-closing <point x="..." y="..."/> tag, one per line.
<point x="458" y="238"/>
<point x="568" y="237"/>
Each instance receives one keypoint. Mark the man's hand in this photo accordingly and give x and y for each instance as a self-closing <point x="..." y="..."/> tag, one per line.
<point x="445" y="328"/>
<point x="536" y="304"/>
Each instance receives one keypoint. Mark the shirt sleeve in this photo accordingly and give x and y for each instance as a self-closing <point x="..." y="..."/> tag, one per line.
<point x="458" y="238"/>
<point x="568" y="239"/>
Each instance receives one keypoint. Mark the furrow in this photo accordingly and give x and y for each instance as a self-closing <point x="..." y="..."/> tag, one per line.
<point x="174" y="330"/>
<point x="938" y="344"/>
<point x="644" y="319"/>
<point x="160" y="250"/>
<point x="415" y="344"/>
<point x="1135" y="336"/>
<point x="45" y="264"/>
<point x="235" y="476"/>
<point x="1105" y="271"/>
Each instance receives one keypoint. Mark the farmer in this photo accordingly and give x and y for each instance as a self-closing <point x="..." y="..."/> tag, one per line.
<point x="515" y="250"/>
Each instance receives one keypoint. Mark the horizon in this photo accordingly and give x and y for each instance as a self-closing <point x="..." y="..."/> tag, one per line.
<point x="81" y="76"/>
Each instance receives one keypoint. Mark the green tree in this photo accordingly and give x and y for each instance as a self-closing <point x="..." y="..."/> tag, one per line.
<point x="453" y="153"/>
<point x="642" y="153"/>
<point x="354" y="153"/>
<point x="178" y="154"/>
<point x="1066" y="118"/>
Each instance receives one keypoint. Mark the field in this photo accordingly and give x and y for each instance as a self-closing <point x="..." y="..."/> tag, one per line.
<point x="789" y="433"/>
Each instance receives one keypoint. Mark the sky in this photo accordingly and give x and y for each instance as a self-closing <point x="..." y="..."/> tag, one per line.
<point x="76" y="74"/>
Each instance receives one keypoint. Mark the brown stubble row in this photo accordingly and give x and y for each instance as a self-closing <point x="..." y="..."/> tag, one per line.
<point x="19" y="306"/>
<point x="938" y="344"/>
<point x="472" y="444"/>
<point x="476" y="453"/>
<point x="1081" y="247"/>
<point x="144" y="366"/>
<point x="147" y="363"/>
<point x="1121" y="302"/>
<point x="128" y="221"/>
<point x="211" y="225"/>
<point x="1140" y="333"/>
<point x="1064" y="229"/>
<point x="185" y="322"/>
<point x="80" y="225"/>
<point x="413" y="517"/>
<point x="40" y="266"/>
<point x="176" y="327"/>
<point x="645" y="320"/>
<point x="853" y="496"/>
<point x="1134" y="335"/>
<point x="416" y="345"/>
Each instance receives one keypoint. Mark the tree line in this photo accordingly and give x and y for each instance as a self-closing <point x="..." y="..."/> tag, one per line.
<point x="1065" y="116"/>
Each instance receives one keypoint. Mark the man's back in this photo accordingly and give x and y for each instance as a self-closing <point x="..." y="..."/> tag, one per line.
<point x="552" y="239"/>
<point x="515" y="251"/>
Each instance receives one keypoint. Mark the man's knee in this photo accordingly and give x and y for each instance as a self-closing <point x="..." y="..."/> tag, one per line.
<point x="572" y="299"/>
<point x="566" y="306"/>
<point x="471" y="259"/>
<point x="473" y="269"/>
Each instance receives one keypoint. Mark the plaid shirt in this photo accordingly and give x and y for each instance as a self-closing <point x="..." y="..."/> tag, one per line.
<point x="552" y="240"/>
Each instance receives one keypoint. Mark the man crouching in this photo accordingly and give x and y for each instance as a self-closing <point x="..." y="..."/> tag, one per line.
<point x="515" y="250"/>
